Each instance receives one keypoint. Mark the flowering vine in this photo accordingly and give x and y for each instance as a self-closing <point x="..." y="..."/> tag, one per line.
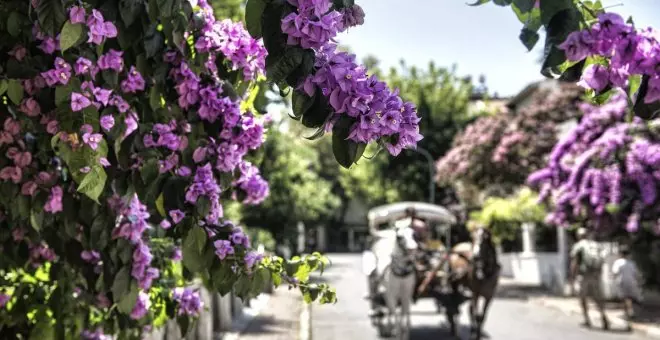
<point x="125" y="129"/>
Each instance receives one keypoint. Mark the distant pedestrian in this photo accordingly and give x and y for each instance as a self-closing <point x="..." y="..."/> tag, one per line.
<point x="627" y="279"/>
<point x="586" y="265"/>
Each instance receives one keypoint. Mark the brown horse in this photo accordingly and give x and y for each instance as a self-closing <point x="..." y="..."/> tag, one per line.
<point x="474" y="266"/>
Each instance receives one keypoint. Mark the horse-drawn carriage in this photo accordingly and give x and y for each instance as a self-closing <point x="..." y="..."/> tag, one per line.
<point x="398" y="261"/>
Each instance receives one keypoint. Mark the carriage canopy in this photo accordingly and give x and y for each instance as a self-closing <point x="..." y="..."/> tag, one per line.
<point x="396" y="211"/>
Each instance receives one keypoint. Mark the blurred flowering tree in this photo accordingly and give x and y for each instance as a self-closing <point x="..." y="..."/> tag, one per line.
<point x="499" y="151"/>
<point x="127" y="127"/>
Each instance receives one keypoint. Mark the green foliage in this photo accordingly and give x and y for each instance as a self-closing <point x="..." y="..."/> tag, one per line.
<point x="294" y="171"/>
<point x="504" y="215"/>
<point x="559" y="18"/>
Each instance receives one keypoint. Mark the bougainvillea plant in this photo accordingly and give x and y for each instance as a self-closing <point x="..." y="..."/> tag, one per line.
<point x="126" y="125"/>
<point x="582" y="38"/>
<point x="605" y="172"/>
<point x="331" y="91"/>
<point x="504" y="148"/>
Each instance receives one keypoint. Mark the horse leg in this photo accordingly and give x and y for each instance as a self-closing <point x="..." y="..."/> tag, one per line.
<point x="451" y="318"/>
<point x="452" y="310"/>
<point x="474" y="304"/>
<point x="481" y="318"/>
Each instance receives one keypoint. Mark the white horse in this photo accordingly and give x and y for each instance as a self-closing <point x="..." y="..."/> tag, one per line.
<point x="395" y="266"/>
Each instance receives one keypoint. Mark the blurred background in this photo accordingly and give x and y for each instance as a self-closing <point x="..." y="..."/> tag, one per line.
<point x="480" y="96"/>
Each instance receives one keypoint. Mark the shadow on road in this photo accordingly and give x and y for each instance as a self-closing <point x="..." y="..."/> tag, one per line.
<point x="264" y="324"/>
<point x="517" y="292"/>
<point x="441" y="332"/>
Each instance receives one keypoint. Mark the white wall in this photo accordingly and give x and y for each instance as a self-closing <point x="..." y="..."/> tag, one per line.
<point x="539" y="269"/>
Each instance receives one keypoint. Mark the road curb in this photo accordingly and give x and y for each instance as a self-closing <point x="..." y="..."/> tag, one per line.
<point x="646" y="330"/>
<point x="242" y="322"/>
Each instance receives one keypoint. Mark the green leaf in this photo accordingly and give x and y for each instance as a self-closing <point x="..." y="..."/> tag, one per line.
<point x="93" y="183"/>
<point x="562" y="24"/>
<point x="100" y="232"/>
<point x="551" y="8"/>
<point x="15" y="91"/>
<point x="242" y="287"/>
<point x="634" y="82"/>
<point x="502" y="2"/>
<point x="14" y="24"/>
<point x="129" y="10"/>
<point x="524" y="5"/>
<point x="573" y="72"/>
<point x="149" y="171"/>
<point x="203" y="206"/>
<point x="193" y="246"/>
<point x="329" y="296"/>
<point x="127" y="302"/>
<point x="154" y="97"/>
<point x="153" y="42"/>
<point x="70" y="36"/>
<point x="529" y="38"/>
<point x="4" y="85"/>
<point x="43" y="330"/>
<point x="478" y="3"/>
<point x="260" y="279"/>
<point x="165" y="8"/>
<point x="36" y="218"/>
<point x="301" y="102"/>
<point x="277" y="70"/>
<point x="51" y="16"/>
<point x="160" y="207"/>
<point x="122" y="283"/>
<point x="223" y="278"/>
<point x="184" y="325"/>
<point x="271" y="22"/>
<point x="254" y="10"/>
<point x="345" y="150"/>
<point x="642" y="109"/>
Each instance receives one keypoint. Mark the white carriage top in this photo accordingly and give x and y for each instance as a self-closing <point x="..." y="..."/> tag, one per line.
<point x="397" y="211"/>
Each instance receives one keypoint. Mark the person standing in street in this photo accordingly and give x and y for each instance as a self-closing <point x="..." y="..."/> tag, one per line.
<point x="586" y="266"/>
<point x="627" y="279"/>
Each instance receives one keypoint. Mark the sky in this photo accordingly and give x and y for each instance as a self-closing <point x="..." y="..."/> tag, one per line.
<point x="479" y="40"/>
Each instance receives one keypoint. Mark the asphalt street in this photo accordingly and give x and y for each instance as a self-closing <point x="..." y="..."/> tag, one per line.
<point x="511" y="317"/>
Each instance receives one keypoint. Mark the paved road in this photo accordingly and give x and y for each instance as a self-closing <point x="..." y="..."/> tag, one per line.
<point x="508" y="318"/>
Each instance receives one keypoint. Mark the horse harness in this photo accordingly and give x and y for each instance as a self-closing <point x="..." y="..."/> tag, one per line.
<point x="402" y="265"/>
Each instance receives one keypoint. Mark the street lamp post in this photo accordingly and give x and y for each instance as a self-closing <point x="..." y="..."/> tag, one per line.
<point x="429" y="159"/>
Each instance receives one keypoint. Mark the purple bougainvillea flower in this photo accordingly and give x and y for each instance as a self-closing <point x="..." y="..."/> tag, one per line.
<point x="77" y="15"/>
<point x="79" y="102"/>
<point x="141" y="307"/>
<point x="54" y="203"/>
<point x="30" y="107"/>
<point x="4" y="298"/>
<point x="223" y="248"/>
<point x="176" y="254"/>
<point x="107" y="122"/>
<point x="177" y="215"/>
<point x="165" y="224"/>
<point x="595" y="77"/>
<point x="104" y="162"/>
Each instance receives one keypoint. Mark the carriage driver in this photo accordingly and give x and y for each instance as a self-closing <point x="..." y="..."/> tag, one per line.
<point x="428" y="257"/>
